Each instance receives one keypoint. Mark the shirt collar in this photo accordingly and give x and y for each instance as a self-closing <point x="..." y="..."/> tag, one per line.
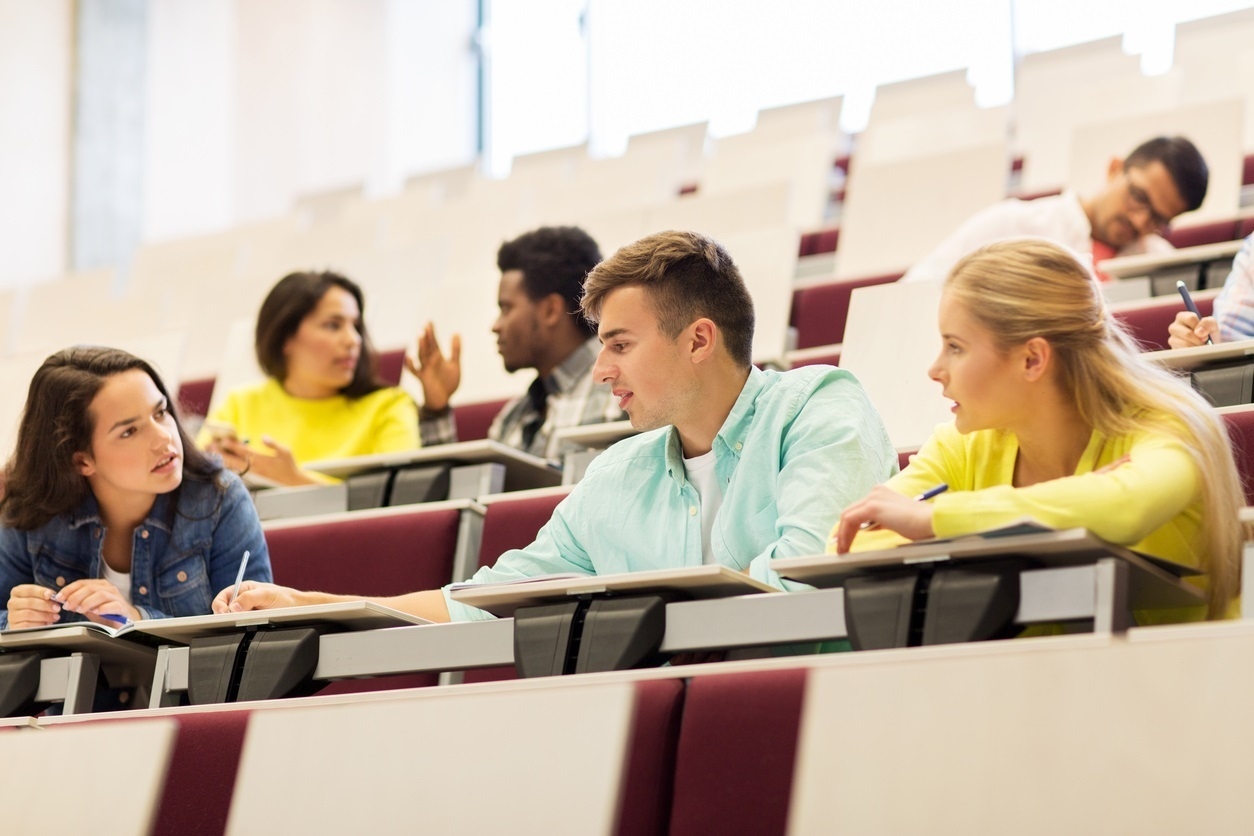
<point x="577" y="365"/>
<point x="730" y="439"/>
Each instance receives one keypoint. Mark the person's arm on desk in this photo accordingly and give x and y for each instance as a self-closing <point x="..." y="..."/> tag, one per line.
<point x="268" y="596"/>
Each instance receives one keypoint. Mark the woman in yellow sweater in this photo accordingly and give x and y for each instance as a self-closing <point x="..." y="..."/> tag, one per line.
<point x="1057" y="417"/>
<point x="322" y="398"/>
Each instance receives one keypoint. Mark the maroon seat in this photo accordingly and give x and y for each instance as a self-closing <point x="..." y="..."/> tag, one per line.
<point x="474" y="419"/>
<point x="650" y="774"/>
<point x="510" y="524"/>
<point x="194" y="396"/>
<point x="370" y="555"/>
<point x="827" y="359"/>
<point x="201" y="777"/>
<point x="822" y="241"/>
<point x="1247" y="227"/>
<point x="737" y="747"/>
<point x="1247" y="171"/>
<point x="1148" y="324"/>
<point x="819" y="312"/>
<point x="1211" y="233"/>
<point x="390" y="365"/>
<point x="1241" y="431"/>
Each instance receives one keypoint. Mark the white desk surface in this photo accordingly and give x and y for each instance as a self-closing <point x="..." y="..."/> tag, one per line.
<point x="349" y="615"/>
<point x="538" y="761"/>
<point x="710" y="581"/>
<point x="1139" y="265"/>
<point x="530" y="468"/>
<point x="597" y="435"/>
<point x="103" y="778"/>
<point x="1187" y="359"/>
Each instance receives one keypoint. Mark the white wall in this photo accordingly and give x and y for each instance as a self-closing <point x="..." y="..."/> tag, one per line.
<point x="35" y="66"/>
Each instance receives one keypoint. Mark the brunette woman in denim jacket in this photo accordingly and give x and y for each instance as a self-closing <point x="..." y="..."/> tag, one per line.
<point x="108" y="507"/>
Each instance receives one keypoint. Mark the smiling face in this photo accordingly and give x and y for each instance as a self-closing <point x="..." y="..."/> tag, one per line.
<point x="1138" y="200"/>
<point x="648" y="372"/>
<point x="322" y="355"/>
<point x="136" y="450"/>
<point x="985" y="382"/>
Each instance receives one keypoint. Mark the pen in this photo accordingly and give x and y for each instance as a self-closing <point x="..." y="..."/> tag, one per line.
<point x="1188" y="303"/>
<point x="871" y="525"/>
<point x="114" y="617"/>
<point x="239" y="576"/>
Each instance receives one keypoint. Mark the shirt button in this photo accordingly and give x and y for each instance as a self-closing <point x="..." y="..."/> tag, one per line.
<point x="96" y="534"/>
<point x="144" y="533"/>
<point x="692" y="511"/>
<point x="143" y="590"/>
<point x="60" y="581"/>
<point x="739" y="446"/>
<point x="182" y="576"/>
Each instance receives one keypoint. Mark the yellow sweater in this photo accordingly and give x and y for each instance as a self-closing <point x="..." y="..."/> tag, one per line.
<point x="331" y="428"/>
<point x="1151" y="504"/>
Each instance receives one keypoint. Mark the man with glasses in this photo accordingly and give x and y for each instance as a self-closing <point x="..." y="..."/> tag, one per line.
<point x="1160" y="180"/>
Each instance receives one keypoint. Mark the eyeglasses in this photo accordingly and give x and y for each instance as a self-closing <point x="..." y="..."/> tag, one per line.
<point x="1139" y="199"/>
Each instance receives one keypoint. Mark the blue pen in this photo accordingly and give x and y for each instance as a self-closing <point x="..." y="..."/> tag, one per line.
<point x="1188" y="303"/>
<point x="115" y="617"/>
<point x="871" y="525"/>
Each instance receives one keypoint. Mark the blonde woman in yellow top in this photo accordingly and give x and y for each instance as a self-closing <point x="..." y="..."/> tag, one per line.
<point x="1057" y="417"/>
<point x="322" y="398"/>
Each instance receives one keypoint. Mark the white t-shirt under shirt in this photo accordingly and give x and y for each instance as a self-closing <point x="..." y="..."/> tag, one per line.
<point x="700" y="473"/>
<point x="121" y="580"/>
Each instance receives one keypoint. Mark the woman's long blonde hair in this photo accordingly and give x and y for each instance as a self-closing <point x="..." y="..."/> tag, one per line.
<point x="1025" y="288"/>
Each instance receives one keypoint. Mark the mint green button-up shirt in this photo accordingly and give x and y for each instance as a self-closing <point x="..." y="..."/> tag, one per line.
<point x="796" y="448"/>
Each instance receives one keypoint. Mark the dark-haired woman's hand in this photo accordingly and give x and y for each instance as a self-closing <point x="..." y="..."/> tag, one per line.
<point x="94" y="597"/>
<point x="439" y="375"/>
<point x="31" y="605"/>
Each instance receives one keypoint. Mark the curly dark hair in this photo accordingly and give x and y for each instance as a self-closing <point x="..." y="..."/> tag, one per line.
<point x="553" y="259"/>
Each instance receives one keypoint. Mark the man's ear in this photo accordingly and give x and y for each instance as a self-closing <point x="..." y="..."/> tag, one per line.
<point x="84" y="463"/>
<point x="1037" y="357"/>
<point x="552" y="309"/>
<point x="703" y="337"/>
<point x="1113" y="169"/>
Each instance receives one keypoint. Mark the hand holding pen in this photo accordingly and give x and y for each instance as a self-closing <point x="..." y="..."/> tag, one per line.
<point x="1190" y="328"/>
<point x="885" y="508"/>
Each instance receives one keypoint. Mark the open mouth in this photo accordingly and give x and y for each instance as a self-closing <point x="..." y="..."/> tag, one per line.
<point x="166" y="463"/>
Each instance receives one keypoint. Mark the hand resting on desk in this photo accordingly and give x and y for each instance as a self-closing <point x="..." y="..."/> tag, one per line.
<point x="31" y="605"/>
<point x="255" y="595"/>
<point x="890" y="510"/>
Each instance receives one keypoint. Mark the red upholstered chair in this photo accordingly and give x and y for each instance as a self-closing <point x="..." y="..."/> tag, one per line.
<point x="1148" y="323"/>
<point x="737" y="748"/>
<point x="510" y="523"/>
<point x="1247" y="171"/>
<point x="1210" y="233"/>
<point x="1241" y="430"/>
<point x="194" y="396"/>
<point x="819" y="312"/>
<point x="390" y="365"/>
<point x="822" y="241"/>
<point x="474" y="419"/>
<point x="368" y="554"/>
<point x="831" y="358"/>
<point x="650" y="772"/>
<point x="202" y="771"/>
<point x="1247" y="227"/>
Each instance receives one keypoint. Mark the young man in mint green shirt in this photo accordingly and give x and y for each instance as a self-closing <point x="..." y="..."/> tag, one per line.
<point x="733" y="465"/>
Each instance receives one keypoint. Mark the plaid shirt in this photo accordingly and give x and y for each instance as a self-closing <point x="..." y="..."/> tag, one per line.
<point x="1234" y="307"/>
<point x="567" y="397"/>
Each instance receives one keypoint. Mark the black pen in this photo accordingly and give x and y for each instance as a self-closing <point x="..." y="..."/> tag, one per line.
<point x="1188" y="303"/>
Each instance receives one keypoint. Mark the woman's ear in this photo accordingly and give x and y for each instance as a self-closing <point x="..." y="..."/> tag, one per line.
<point x="1038" y="355"/>
<point x="86" y="467"/>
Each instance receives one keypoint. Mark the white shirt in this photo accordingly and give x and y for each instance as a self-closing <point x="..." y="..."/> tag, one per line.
<point x="700" y="474"/>
<point x="122" y="580"/>
<point x="1059" y="218"/>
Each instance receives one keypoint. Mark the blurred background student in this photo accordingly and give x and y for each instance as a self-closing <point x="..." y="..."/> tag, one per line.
<point x="109" y="509"/>
<point x="322" y="398"/>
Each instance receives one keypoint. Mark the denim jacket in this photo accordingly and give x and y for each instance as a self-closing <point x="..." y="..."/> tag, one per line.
<point x="176" y="569"/>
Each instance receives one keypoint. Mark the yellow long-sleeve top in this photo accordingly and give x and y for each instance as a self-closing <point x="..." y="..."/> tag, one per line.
<point x="384" y="421"/>
<point x="1151" y="503"/>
